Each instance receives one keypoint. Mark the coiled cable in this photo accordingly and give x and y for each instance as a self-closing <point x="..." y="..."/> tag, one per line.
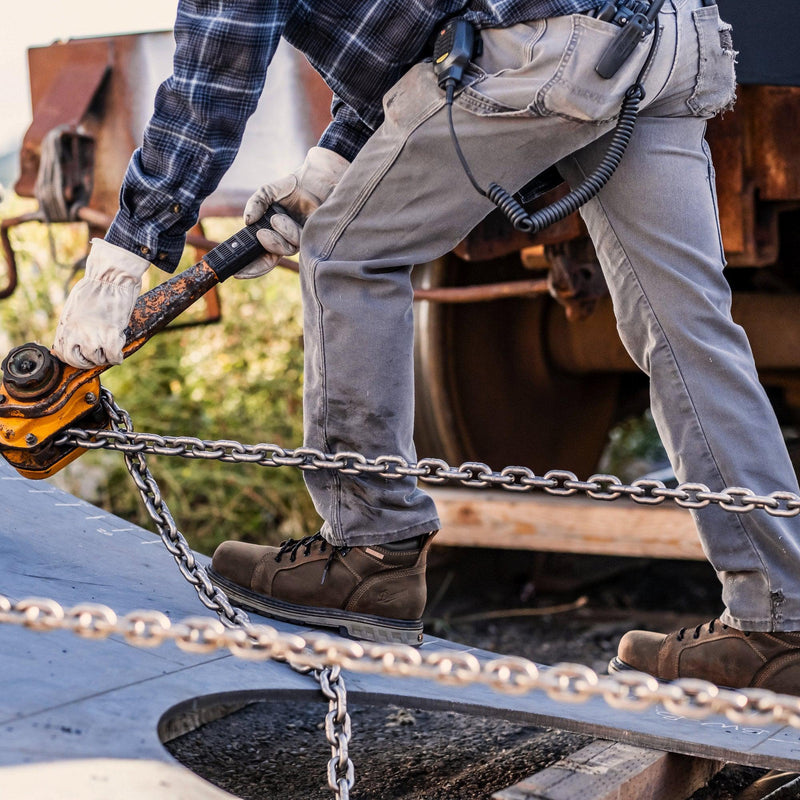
<point x="515" y="212"/>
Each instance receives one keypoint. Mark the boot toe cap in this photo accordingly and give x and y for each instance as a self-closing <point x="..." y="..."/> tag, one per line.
<point x="639" y="650"/>
<point x="237" y="561"/>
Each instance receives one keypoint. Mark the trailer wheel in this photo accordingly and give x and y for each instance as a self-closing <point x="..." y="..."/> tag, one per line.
<point x="485" y="388"/>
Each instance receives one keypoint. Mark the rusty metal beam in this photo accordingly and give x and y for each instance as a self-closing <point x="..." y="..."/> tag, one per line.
<point x="62" y="91"/>
<point x="593" y="345"/>
<point x="484" y="292"/>
<point x="8" y="250"/>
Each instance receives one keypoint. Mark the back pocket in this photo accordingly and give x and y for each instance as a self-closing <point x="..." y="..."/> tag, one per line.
<point x="715" y="88"/>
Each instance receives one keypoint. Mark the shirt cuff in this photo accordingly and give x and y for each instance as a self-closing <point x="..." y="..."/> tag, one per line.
<point x="345" y="135"/>
<point x="147" y="239"/>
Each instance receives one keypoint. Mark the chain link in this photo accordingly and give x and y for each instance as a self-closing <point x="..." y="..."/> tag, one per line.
<point x="147" y="628"/>
<point x="210" y="596"/>
<point x="326" y="656"/>
<point x="476" y="474"/>
<point x="565" y="682"/>
<point x="341" y="773"/>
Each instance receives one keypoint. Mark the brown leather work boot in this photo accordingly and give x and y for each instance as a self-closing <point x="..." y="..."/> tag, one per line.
<point x="715" y="652"/>
<point x="373" y="592"/>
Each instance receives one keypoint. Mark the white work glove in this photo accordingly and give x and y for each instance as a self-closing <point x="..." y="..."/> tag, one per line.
<point x="91" y="329"/>
<point x="300" y="194"/>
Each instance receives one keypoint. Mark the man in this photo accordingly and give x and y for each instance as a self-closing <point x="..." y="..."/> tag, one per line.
<point x="533" y="99"/>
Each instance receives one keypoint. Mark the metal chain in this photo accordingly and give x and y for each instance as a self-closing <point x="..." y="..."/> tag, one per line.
<point x="476" y="474"/>
<point x="341" y="773"/>
<point x="630" y="691"/>
<point x="212" y="597"/>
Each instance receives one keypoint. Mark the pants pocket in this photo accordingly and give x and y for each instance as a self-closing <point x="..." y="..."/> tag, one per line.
<point x="558" y="75"/>
<point x="503" y="81"/>
<point x="715" y="88"/>
<point x="575" y="90"/>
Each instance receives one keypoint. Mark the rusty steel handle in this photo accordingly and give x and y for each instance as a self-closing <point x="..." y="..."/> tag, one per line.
<point x="40" y="396"/>
<point x="32" y="380"/>
<point x="155" y="309"/>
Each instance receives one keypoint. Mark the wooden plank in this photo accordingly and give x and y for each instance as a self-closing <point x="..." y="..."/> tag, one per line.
<point x="612" y="771"/>
<point x="535" y="521"/>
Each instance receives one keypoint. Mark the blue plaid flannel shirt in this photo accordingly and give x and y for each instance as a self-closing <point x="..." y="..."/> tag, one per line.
<point x="360" y="47"/>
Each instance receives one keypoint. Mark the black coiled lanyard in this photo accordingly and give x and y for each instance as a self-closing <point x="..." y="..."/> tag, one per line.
<point x="590" y="185"/>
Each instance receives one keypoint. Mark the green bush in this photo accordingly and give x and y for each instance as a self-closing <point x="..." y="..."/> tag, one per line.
<point x="240" y="378"/>
<point x="634" y="448"/>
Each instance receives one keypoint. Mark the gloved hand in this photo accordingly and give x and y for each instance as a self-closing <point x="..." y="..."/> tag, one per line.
<point x="90" y="331"/>
<point x="300" y="194"/>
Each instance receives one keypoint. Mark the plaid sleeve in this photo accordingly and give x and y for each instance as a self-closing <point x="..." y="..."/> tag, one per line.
<point x="220" y="64"/>
<point x="347" y="132"/>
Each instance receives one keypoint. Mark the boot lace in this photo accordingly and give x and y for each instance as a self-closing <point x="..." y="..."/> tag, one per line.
<point x="699" y="629"/>
<point x="293" y="546"/>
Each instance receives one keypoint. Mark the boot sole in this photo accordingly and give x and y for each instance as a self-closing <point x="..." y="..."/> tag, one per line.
<point x="366" y="627"/>
<point x="617" y="665"/>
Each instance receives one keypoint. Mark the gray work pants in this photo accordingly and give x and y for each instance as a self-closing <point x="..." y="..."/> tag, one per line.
<point x="536" y="100"/>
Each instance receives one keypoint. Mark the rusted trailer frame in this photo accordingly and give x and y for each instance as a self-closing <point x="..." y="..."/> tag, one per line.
<point x="91" y="99"/>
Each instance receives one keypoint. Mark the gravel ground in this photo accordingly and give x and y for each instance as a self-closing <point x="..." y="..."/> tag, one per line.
<point x="278" y="750"/>
<point x="548" y="608"/>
